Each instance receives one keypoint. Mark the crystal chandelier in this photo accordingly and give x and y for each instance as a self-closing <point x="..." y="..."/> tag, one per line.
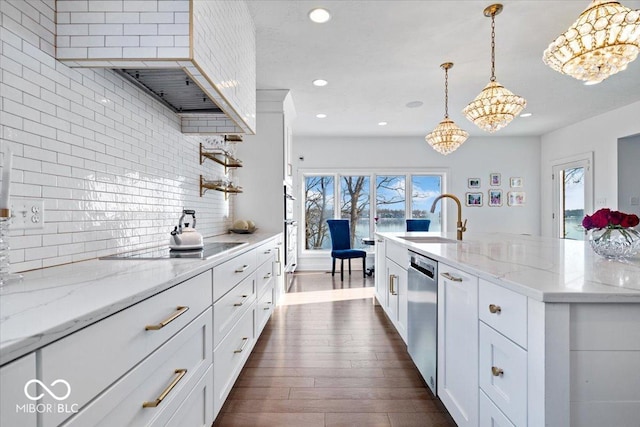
<point x="603" y="40"/>
<point x="447" y="136"/>
<point x="495" y="106"/>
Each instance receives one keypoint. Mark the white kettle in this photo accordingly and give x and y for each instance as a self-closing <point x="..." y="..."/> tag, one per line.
<point x="186" y="238"/>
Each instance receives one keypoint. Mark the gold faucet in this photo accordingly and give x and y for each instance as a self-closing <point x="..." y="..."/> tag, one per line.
<point x="460" y="227"/>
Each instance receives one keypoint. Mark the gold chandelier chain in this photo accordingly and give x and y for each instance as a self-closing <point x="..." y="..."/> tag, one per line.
<point x="446" y="93"/>
<point x="493" y="47"/>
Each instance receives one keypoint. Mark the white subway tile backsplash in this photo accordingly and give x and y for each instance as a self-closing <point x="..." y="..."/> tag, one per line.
<point x="173" y="29"/>
<point x="141" y="6"/>
<point x="109" y="161"/>
<point x="106" y="6"/>
<point x="88" y="18"/>
<point x="122" y="41"/>
<point x="137" y="52"/>
<point x="157" y="18"/>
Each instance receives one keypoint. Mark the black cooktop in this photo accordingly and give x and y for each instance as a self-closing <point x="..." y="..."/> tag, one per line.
<point x="208" y="251"/>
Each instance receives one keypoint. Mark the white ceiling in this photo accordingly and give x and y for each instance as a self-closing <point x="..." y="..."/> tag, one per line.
<point x="379" y="55"/>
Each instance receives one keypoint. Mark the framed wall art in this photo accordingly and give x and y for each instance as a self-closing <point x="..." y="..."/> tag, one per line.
<point x="474" y="199"/>
<point x="495" y="180"/>
<point x="515" y="182"/>
<point x="473" y="182"/>
<point x="495" y="198"/>
<point x="516" y="198"/>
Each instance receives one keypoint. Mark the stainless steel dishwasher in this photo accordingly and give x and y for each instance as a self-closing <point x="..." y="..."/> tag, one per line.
<point x="423" y="316"/>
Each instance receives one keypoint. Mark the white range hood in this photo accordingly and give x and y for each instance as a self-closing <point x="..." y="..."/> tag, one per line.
<point x="196" y="56"/>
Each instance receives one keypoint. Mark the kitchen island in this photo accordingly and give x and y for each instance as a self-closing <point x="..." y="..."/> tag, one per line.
<point x="531" y="330"/>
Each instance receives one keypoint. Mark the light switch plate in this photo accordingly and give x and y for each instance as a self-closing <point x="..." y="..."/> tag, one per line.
<point x="27" y="214"/>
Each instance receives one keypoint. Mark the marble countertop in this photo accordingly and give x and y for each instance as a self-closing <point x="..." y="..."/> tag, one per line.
<point x="51" y="303"/>
<point x="546" y="269"/>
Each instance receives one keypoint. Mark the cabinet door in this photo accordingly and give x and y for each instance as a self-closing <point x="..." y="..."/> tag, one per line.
<point x="458" y="344"/>
<point x="394" y="273"/>
<point x="16" y="406"/>
<point x="381" y="272"/>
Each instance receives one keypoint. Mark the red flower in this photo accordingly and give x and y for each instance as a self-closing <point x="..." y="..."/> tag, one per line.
<point x="630" y="221"/>
<point x="600" y="219"/>
<point x="587" y="222"/>
<point x="615" y="217"/>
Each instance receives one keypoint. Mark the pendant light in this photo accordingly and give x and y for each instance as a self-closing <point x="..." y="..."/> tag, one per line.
<point x="602" y="41"/>
<point x="447" y="136"/>
<point x="495" y="106"/>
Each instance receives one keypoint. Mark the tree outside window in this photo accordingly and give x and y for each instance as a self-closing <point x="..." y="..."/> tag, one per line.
<point x="318" y="207"/>
<point x="355" y="207"/>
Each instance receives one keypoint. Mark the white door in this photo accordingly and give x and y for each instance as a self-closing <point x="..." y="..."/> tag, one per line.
<point x="573" y="195"/>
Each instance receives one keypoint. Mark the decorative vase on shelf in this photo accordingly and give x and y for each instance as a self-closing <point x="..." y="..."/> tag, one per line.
<point x="615" y="243"/>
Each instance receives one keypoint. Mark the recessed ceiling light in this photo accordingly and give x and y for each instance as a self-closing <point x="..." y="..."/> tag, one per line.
<point x="382" y="123"/>
<point x="319" y="15"/>
<point x="320" y="82"/>
<point x="526" y="114"/>
<point x="414" y="104"/>
<point x="321" y="115"/>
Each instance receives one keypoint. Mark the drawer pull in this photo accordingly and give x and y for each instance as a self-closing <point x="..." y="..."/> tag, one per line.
<point x="267" y="252"/>
<point x="181" y="310"/>
<point x="181" y="373"/>
<point x="450" y="277"/>
<point x="239" y="304"/>
<point x="392" y="284"/>
<point x="497" y="372"/>
<point x="242" y="269"/>
<point x="267" y="276"/>
<point x="495" y="309"/>
<point x="267" y="303"/>
<point x="244" y="343"/>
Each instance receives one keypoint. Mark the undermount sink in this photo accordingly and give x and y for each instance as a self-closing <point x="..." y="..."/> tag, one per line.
<point x="427" y="239"/>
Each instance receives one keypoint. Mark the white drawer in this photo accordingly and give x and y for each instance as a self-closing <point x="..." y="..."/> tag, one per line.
<point x="229" y="358"/>
<point x="264" y="278"/>
<point x="397" y="253"/>
<point x="175" y="369"/>
<point x="490" y="415"/>
<point x="230" y="273"/>
<point x="266" y="252"/>
<point x="95" y="357"/>
<point x="13" y="379"/>
<point x="503" y="374"/>
<point x="503" y="310"/>
<point x="196" y="410"/>
<point x="264" y="308"/>
<point x="228" y="309"/>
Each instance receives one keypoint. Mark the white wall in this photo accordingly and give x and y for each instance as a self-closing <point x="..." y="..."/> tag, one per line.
<point x="110" y="162"/>
<point x="600" y="135"/>
<point x="479" y="156"/>
<point x="629" y="174"/>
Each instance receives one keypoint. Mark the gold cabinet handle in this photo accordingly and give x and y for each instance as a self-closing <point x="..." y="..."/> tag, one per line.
<point x="239" y="304"/>
<point x="181" y="310"/>
<point x="497" y="372"/>
<point x="242" y="269"/>
<point x="267" y="276"/>
<point x="392" y="284"/>
<point x="450" y="277"/>
<point x="181" y="373"/>
<point x="244" y="343"/>
<point x="495" y="309"/>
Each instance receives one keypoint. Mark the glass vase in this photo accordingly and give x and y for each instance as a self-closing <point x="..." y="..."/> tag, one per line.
<point x="615" y="243"/>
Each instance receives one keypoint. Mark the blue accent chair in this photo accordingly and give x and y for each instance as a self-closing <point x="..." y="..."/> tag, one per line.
<point x="418" y="224"/>
<point x="341" y="246"/>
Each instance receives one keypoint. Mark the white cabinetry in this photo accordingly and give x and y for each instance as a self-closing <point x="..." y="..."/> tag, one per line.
<point x="381" y="272"/>
<point x="502" y="352"/>
<point x="396" y="306"/>
<point x="13" y="401"/>
<point x="458" y="344"/>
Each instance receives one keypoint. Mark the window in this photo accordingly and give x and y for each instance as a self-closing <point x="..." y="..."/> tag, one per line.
<point x="318" y="208"/>
<point x="393" y="197"/>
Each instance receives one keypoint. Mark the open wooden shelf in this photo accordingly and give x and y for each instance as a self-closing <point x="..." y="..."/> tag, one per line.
<point x="217" y="186"/>
<point x="221" y="157"/>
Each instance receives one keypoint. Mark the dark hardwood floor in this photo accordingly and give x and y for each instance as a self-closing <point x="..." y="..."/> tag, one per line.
<point x="329" y="357"/>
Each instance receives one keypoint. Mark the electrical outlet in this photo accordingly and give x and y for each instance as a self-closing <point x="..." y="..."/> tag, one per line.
<point x="634" y="201"/>
<point x="27" y="214"/>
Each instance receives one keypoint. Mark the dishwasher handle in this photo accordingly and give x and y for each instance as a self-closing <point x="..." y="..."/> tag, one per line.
<point x="424" y="265"/>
